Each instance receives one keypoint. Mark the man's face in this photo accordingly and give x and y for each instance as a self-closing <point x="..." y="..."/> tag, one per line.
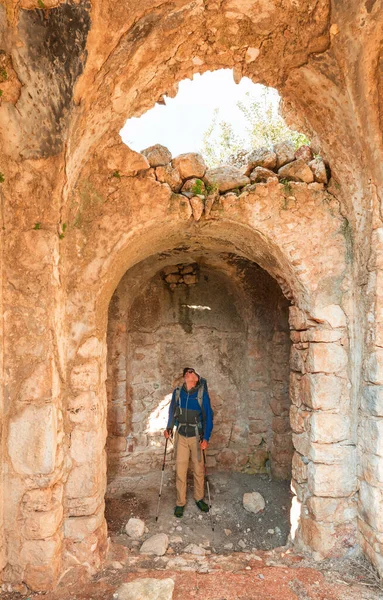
<point x="191" y="377"/>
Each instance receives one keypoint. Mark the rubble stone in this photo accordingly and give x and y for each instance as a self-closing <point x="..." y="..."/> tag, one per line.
<point x="260" y="157"/>
<point x="253" y="502"/>
<point x="190" y="165"/>
<point x="135" y="528"/>
<point x="168" y="174"/>
<point x="226" y="178"/>
<point x="146" y="589"/>
<point x="260" y="174"/>
<point x="157" y="155"/>
<point x="285" y="153"/>
<point x="296" y="171"/>
<point x="318" y="167"/>
<point x="156" y="544"/>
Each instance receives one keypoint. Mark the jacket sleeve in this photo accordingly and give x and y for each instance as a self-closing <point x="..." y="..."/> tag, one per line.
<point x="172" y="407"/>
<point x="208" y="414"/>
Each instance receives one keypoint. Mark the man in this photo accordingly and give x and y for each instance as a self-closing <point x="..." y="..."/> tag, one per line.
<point x="190" y="411"/>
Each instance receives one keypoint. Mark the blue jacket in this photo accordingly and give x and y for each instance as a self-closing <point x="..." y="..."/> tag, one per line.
<point x="189" y="400"/>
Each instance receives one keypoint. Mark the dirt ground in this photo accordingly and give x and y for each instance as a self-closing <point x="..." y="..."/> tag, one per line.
<point x="235" y="529"/>
<point x="265" y="569"/>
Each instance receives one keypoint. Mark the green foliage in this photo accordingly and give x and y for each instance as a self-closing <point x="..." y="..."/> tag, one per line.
<point x="61" y="236"/>
<point x="211" y="188"/>
<point x="265" y="127"/>
<point x="2" y="178"/>
<point x="64" y="227"/>
<point x="3" y="74"/>
<point x="198" y="188"/>
<point x="37" y="226"/>
<point x="41" y="3"/>
<point x="286" y="186"/>
<point x="116" y="174"/>
<point x="1" y="93"/>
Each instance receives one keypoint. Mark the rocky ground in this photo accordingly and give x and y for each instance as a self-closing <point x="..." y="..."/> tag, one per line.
<point x="235" y="529"/>
<point x="246" y="557"/>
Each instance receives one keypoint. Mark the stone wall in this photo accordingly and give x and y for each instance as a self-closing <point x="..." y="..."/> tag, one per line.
<point x="221" y="319"/>
<point x="79" y="210"/>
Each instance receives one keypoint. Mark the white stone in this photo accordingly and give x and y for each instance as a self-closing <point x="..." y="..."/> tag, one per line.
<point x="285" y="152"/>
<point x="194" y="549"/>
<point x="333" y="314"/>
<point x="328" y="428"/>
<point x="190" y="164"/>
<point x="157" y="155"/>
<point x="32" y="440"/>
<point x="146" y="589"/>
<point x="156" y="544"/>
<point x="135" y="528"/>
<point x="253" y="502"/>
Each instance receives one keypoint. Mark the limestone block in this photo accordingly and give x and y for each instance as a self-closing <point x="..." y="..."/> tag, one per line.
<point x="83" y="507"/>
<point x="326" y="358"/>
<point x="301" y="443"/>
<point x="331" y="454"/>
<point x="156" y="544"/>
<point x="85" y="376"/>
<point x="332" y="510"/>
<point x="329" y="428"/>
<point x="318" y="536"/>
<point x="91" y="348"/>
<point x="86" y="446"/>
<point x="42" y="578"/>
<point x="322" y="391"/>
<point x="157" y="155"/>
<point x="197" y="205"/>
<point x="135" y="528"/>
<point x="226" y="178"/>
<point x="83" y="480"/>
<point x="336" y="480"/>
<point x="299" y="468"/>
<point x="296" y="388"/>
<point x="298" y="418"/>
<point x="168" y="174"/>
<point x="372" y="469"/>
<point x="146" y="589"/>
<point x="41" y="552"/>
<point x="117" y="412"/>
<point x="260" y="157"/>
<point x="371" y="505"/>
<point x="318" y="167"/>
<point x="285" y="152"/>
<point x="305" y="153"/>
<point x="296" y="171"/>
<point x="32" y="440"/>
<point x="42" y="525"/>
<point x="253" y="502"/>
<point x="39" y="499"/>
<point x="190" y="165"/>
<point x="79" y="528"/>
<point x="332" y="314"/>
<point x="282" y="442"/>
<point x="297" y="359"/>
<point x="316" y="335"/>
<point x="297" y="318"/>
<point x="259" y="175"/>
<point x="371" y="435"/>
<point x="280" y="425"/>
<point x="374" y="367"/>
<point x="84" y="410"/>
<point x="38" y="385"/>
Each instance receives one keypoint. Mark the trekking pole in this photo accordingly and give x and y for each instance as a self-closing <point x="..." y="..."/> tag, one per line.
<point x="208" y="490"/>
<point x="162" y="478"/>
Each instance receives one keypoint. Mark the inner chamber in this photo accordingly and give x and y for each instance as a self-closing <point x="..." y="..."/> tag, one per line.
<point x="226" y="317"/>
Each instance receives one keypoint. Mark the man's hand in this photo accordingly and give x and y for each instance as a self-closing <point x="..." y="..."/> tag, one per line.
<point x="204" y="444"/>
<point x="168" y="433"/>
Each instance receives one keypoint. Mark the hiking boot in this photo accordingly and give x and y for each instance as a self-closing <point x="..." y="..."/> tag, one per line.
<point x="179" y="511"/>
<point x="202" y="505"/>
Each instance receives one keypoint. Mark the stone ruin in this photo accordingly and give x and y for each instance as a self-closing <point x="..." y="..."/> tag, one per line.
<point x="90" y="230"/>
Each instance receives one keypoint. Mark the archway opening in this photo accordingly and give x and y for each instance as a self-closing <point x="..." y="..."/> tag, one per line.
<point x="227" y="317"/>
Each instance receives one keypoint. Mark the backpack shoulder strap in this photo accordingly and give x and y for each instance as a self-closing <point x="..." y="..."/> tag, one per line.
<point x="178" y="394"/>
<point x="201" y="390"/>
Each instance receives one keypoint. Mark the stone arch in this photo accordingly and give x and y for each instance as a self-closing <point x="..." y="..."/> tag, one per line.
<point x="251" y="229"/>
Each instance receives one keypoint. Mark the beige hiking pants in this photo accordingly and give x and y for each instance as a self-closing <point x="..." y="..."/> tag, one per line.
<point x="185" y="448"/>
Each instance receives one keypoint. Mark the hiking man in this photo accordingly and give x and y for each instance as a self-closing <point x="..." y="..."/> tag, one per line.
<point x="190" y="411"/>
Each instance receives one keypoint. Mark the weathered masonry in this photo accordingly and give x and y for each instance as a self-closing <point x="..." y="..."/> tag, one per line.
<point x="92" y="233"/>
